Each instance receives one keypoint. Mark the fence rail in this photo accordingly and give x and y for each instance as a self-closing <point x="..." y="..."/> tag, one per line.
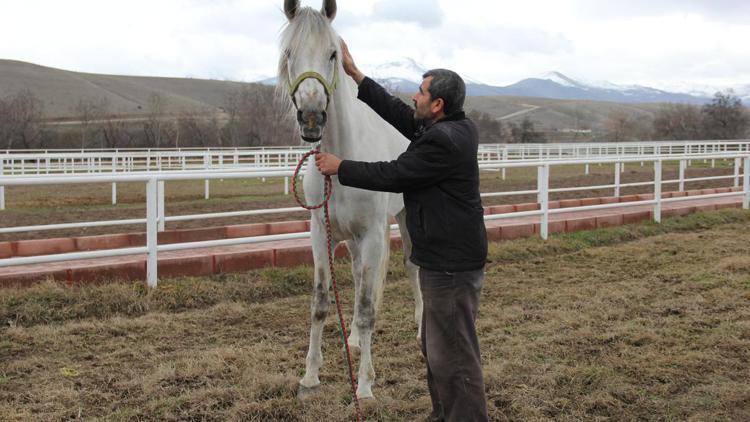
<point x="262" y="159"/>
<point x="155" y="215"/>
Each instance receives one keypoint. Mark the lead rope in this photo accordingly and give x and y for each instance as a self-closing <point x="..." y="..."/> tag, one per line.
<point x="328" y="190"/>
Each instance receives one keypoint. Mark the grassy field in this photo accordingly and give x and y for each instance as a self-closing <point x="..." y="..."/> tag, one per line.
<point x="640" y="322"/>
<point x="92" y="202"/>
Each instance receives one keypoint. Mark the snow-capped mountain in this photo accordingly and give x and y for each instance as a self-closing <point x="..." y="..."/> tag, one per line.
<point x="405" y="75"/>
<point x="406" y="69"/>
<point x="557" y="85"/>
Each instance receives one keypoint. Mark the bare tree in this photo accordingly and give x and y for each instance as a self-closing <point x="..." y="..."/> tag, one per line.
<point x="115" y="134"/>
<point x="6" y="124"/>
<point x="678" y="122"/>
<point x="20" y="119"/>
<point x="153" y="128"/>
<point x="725" y="117"/>
<point x="490" y="129"/>
<point x="525" y="132"/>
<point x="90" y="112"/>
<point x="199" y="129"/>
<point x="620" y="126"/>
<point x="256" y="116"/>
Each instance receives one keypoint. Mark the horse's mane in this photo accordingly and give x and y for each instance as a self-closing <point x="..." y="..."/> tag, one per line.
<point x="307" y="24"/>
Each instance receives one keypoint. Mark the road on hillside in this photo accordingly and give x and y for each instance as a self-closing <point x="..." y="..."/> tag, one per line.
<point x="529" y="109"/>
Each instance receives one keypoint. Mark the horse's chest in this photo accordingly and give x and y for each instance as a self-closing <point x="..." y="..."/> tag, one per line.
<point x="353" y="213"/>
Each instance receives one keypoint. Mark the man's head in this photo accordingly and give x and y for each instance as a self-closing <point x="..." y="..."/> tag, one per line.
<point x="441" y="93"/>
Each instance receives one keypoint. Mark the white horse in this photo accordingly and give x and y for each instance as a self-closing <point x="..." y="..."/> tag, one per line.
<point x="312" y="76"/>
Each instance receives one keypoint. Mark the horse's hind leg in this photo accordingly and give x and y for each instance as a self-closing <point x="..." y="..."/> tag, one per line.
<point x="354" y="251"/>
<point x="318" y="308"/>
<point x="412" y="271"/>
<point x="373" y="252"/>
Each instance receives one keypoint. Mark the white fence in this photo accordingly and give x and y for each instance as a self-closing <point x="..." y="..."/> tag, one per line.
<point x="48" y="162"/>
<point x="27" y="162"/>
<point x="155" y="216"/>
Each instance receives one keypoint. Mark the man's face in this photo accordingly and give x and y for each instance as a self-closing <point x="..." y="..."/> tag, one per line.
<point x="425" y="107"/>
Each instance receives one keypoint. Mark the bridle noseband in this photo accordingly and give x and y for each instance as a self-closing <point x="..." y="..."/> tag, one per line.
<point x="330" y="88"/>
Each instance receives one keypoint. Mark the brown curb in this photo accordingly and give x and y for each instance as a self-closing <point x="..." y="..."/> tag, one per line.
<point x="203" y="265"/>
<point x="114" y="241"/>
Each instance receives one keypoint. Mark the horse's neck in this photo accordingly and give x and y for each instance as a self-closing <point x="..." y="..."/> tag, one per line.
<point x="341" y="121"/>
<point x="354" y="132"/>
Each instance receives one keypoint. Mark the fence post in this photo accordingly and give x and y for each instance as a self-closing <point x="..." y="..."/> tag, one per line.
<point x="160" y="205"/>
<point x="544" y="225"/>
<point x="657" y="191"/>
<point x="617" y="179"/>
<point x="114" y="184"/>
<point x="151" y="232"/>
<point x="505" y="158"/>
<point x="682" y="176"/>
<point x="746" y="184"/>
<point x="206" y="165"/>
<point x="737" y="162"/>
<point x="539" y="183"/>
<point x="2" y="188"/>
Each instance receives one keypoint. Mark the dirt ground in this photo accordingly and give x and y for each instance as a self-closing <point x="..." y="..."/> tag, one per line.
<point x="640" y="322"/>
<point x="38" y="205"/>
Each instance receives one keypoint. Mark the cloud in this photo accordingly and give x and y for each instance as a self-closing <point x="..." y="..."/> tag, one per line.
<point x="718" y="10"/>
<point x="508" y="40"/>
<point x="425" y="13"/>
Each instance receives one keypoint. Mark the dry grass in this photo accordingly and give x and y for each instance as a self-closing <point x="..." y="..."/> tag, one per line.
<point x="646" y="322"/>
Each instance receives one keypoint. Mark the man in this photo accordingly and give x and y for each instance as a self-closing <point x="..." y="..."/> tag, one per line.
<point x="439" y="177"/>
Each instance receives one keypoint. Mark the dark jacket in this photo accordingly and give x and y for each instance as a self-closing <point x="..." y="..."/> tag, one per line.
<point x="439" y="177"/>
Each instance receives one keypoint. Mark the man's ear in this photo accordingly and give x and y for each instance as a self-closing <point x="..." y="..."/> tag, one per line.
<point x="438" y="104"/>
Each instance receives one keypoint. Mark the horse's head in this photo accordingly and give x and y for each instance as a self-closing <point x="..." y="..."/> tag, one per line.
<point x="309" y="64"/>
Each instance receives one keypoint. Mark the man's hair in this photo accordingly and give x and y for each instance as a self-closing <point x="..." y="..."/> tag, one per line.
<point x="446" y="84"/>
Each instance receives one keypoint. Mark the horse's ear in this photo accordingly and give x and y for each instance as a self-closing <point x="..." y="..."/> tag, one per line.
<point x="329" y="9"/>
<point x="291" y="7"/>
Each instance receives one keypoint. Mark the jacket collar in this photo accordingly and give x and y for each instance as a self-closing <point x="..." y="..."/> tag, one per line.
<point x="458" y="115"/>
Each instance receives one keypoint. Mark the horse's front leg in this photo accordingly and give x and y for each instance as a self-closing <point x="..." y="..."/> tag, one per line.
<point x="354" y="252"/>
<point x="318" y="309"/>
<point x="373" y="254"/>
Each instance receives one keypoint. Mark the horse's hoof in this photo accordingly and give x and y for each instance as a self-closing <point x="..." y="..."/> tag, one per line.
<point x="304" y="393"/>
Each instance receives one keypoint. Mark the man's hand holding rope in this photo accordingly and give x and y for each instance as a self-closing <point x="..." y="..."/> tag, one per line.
<point x="328" y="164"/>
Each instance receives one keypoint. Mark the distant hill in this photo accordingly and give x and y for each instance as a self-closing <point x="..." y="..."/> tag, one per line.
<point x="405" y="76"/>
<point x="61" y="90"/>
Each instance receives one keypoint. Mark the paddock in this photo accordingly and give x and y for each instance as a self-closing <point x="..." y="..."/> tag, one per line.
<point x="646" y="322"/>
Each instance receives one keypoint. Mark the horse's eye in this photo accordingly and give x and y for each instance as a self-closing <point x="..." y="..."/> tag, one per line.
<point x="333" y="56"/>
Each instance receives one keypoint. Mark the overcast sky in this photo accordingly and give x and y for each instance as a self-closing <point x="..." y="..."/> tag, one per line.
<point x="660" y="43"/>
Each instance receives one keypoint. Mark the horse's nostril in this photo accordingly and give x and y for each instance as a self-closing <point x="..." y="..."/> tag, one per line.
<point x="311" y="119"/>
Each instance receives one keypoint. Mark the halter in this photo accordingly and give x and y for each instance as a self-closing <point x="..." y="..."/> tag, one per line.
<point x="329" y="87"/>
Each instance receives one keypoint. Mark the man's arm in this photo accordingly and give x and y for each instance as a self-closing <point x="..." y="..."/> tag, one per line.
<point x="394" y="111"/>
<point x="423" y="166"/>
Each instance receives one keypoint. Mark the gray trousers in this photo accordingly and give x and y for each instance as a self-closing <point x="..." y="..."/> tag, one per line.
<point x="450" y="345"/>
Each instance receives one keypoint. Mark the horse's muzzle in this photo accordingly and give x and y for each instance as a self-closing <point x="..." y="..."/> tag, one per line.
<point x="311" y="124"/>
